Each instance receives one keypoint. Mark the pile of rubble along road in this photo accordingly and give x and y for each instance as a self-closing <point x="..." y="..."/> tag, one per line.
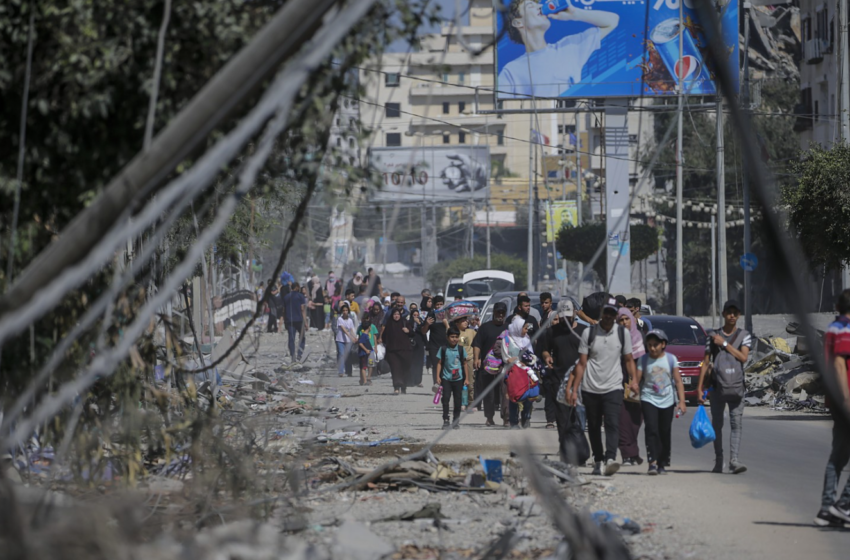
<point x="782" y="378"/>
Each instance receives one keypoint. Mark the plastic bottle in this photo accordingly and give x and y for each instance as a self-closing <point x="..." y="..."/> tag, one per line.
<point x="465" y="399"/>
<point x="438" y="395"/>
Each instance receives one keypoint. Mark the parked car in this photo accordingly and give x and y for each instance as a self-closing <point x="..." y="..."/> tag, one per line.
<point x="687" y="342"/>
<point x="509" y="299"/>
<point x="479" y="285"/>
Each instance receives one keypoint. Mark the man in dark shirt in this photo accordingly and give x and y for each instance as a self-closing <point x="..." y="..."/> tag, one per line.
<point x="560" y="352"/>
<point x="437" y="339"/>
<point x="374" y="282"/>
<point x="483" y="342"/>
<point x="294" y="305"/>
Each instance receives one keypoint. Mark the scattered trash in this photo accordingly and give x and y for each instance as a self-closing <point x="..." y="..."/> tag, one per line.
<point x="623" y="524"/>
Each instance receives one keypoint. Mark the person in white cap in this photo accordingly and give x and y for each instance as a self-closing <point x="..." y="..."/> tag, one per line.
<point x="605" y="349"/>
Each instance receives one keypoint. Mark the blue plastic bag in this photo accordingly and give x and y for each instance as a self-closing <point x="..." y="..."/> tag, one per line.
<point x="701" y="431"/>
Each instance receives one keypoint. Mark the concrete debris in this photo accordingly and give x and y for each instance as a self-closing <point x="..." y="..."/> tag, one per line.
<point x="354" y="541"/>
<point x="783" y="379"/>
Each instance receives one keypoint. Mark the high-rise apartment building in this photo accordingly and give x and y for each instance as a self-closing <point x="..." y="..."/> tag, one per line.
<point x="818" y="109"/>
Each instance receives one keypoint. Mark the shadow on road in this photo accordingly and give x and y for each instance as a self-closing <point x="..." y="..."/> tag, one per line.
<point x="803" y="525"/>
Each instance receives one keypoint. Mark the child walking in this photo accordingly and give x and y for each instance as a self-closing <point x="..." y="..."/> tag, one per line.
<point x="453" y="373"/>
<point x="364" y="341"/>
<point x="657" y="374"/>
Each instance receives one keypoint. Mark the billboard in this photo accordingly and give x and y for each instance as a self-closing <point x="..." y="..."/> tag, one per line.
<point x="607" y="48"/>
<point x="432" y="174"/>
<point x="558" y="213"/>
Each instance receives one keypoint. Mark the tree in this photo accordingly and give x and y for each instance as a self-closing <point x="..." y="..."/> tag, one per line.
<point x="818" y="204"/>
<point x="579" y="244"/>
<point x="439" y="275"/>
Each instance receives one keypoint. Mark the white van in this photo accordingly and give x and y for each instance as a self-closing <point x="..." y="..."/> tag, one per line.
<point x="479" y="285"/>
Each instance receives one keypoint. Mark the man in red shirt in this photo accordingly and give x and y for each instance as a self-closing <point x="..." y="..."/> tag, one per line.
<point x="837" y="350"/>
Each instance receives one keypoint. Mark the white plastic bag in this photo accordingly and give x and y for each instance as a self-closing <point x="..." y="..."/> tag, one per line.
<point x="380" y="352"/>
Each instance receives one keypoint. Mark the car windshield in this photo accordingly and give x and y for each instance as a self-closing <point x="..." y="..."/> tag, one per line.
<point x="455" y="290"/>
<point x="486" y="287"/>
<point x="680" y="332"/>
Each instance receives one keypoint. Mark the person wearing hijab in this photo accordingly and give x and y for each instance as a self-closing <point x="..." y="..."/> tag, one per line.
<point x="631" y="414"/>
<point x="395" y="335"/>
<point x="513" y="346"/>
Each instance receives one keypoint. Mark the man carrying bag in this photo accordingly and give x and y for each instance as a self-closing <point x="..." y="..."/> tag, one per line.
<point x="726" y="352"/>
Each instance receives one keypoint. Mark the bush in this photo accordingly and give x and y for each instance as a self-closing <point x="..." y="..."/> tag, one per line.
<point x="440" y="274"/>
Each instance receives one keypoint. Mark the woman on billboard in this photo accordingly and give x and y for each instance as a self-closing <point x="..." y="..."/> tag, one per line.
<point x="549" y="69"/>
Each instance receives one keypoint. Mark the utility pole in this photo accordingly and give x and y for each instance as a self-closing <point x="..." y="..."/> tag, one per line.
<point x="530" y="250"/>
<point x="844" y="98"/>
<point x="745" y="102"/>
<point x="384" y="239"/>
<point x="679" y="154"/>
<point x="713" y="273"/>
<point x="721" y="206"/>
<point x="488" y="229"/>
<point x="579" y="185"/>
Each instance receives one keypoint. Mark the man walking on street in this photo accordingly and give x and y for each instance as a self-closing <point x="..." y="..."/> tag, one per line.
<point x="726" y="351"/>
<point x="561" y="352"/>
<point x="524" y="310"/>
<point x="604" y="348"/>
<point x="837" y="351"/>
<point x="295" y="305"/>
<point x="483" y="342"/>
<point x="548" y="388"/>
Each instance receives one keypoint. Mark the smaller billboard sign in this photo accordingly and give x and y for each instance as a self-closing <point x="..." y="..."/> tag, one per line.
<point x="558" y="213"/>
<point x="432" y="174"/>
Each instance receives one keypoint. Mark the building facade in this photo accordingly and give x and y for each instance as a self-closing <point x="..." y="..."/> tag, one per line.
<point x="818" y="111"/>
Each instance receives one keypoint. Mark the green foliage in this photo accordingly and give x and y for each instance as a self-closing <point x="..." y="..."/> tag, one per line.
<point x="579" y="244"/>
<point x="773" y="121"/>
<point x="819" y="204"/>
<point x="440" y="274"/>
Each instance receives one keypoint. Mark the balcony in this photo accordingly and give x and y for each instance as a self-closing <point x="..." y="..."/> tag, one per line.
<point x="814" y="49"/>
<point x="441" y="90"/>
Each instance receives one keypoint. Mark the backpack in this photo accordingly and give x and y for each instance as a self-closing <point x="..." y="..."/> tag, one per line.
<point x="728" y="371"/>
<point x="493" y="361"/>
<point x="672" y="362"/>
<point x="591" y="336"/>
<point x="461" y="355"/>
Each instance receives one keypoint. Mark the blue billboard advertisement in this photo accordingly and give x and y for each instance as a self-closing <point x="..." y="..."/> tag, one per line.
<point x="608" y="48"/>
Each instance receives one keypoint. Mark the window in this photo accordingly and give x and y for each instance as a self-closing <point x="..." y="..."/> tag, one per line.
<point x="351" y="161"/>
<point x="339" y="142"/>
<point x="461" y="106"/>
<point x="352" y="123"/>
<point x="461" y="78"/>
<point x="337" y="121"/>
<point x="352" y="144"/>
<point x="461" y="137"/>
<point x="500" y="105"/>
<point x="392" y="79"/>
<point x="447" y="138"/>
<point x="566" y="129"/>
<point x="393" y="110"/>
<point x="393" y="139"/>
<point x="500" y="138"/>
<point x="445" y="77"/>
<point x="446" y="107"/>
<point x="633" y="139"/>
<point x="565" y="103"/>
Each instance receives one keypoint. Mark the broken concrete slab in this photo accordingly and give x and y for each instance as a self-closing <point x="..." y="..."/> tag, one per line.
<point x="354" y="541"/>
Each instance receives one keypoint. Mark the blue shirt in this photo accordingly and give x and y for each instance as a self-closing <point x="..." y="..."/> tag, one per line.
<point x="453" y="370"/>
<point x="292" y="307"/>
<point x="366" y="340"/>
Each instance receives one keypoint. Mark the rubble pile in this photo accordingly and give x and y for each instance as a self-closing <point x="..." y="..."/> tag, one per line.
<point x="782" y="378"/>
